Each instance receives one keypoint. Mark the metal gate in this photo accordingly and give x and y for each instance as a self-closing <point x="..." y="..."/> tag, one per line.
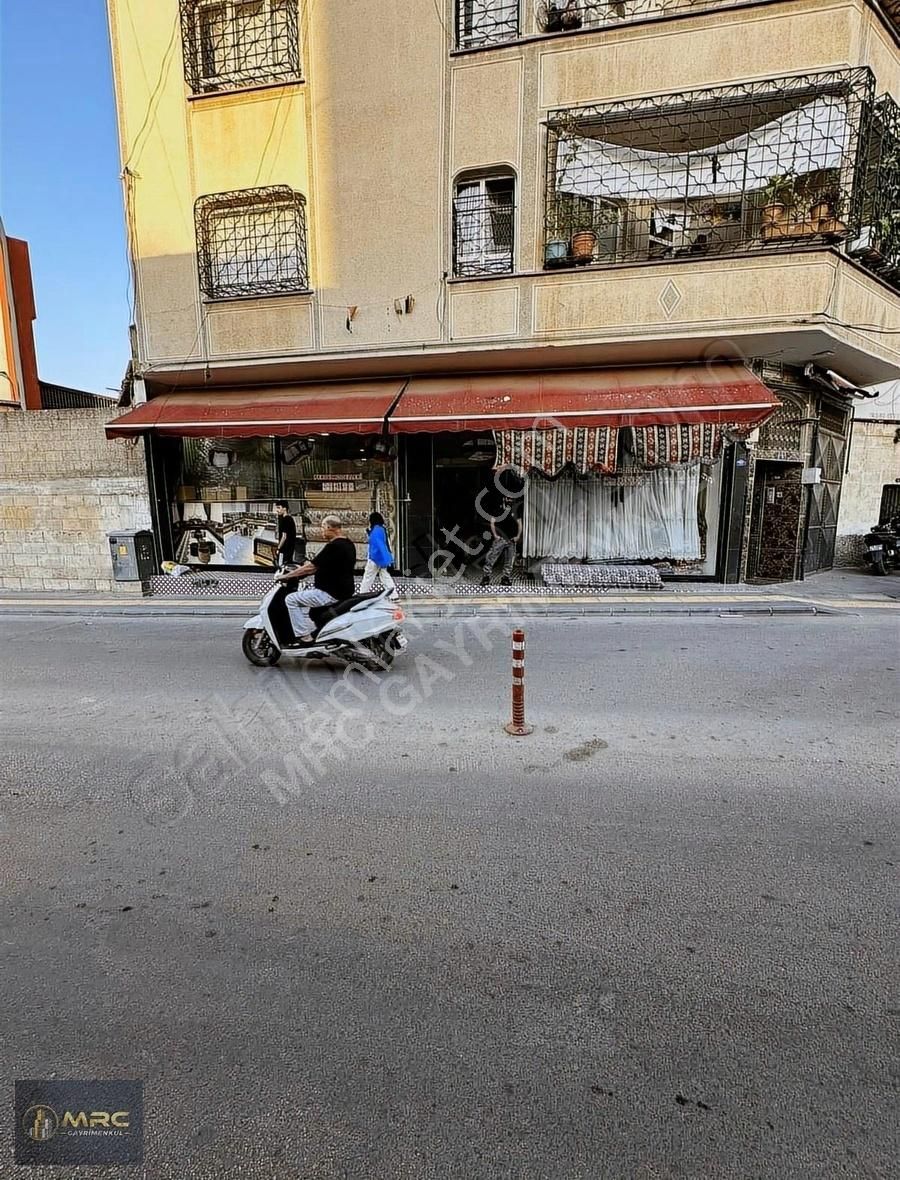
<point x="825" y="500"/>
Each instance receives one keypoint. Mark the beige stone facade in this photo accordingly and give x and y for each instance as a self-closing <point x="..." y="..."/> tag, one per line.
<point x="386" y="113"/>
<point x="63" y="487"/>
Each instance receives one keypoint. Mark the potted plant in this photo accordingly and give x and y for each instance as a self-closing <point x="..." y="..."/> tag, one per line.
<point x="556" y="253"/>
<point x="779" y="198"/>
<point x="584" y="243"/>
<point x="563" y="16"/>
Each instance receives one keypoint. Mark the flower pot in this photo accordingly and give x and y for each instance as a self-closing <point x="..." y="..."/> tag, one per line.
<point x="774" y="221"/>
<point x="584" y="242"/>
<point x="556" y="253"/>
<point x="833" y="227"/>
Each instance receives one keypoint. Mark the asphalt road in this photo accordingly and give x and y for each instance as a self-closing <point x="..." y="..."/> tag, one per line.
<point x="348" y="928"/>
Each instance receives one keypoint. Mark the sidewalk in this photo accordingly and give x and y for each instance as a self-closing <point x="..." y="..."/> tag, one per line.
<point x="836" y="592"/>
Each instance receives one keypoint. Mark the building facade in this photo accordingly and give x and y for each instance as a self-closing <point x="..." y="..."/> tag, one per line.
<point x="872" y="481"/>
<point x="641" y="253"/>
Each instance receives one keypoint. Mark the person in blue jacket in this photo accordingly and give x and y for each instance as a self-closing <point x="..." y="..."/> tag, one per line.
<point x="380" y="557"/>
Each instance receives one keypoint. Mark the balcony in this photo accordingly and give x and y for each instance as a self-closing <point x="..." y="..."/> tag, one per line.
<point x="482" y="23"/>
<point x="567" y="16"/>
<point x="772" y="166"/>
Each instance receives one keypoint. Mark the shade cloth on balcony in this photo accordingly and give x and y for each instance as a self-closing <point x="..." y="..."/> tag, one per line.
<point x="813" y="137"/>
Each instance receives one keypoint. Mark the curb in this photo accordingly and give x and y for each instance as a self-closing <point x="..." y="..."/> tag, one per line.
<point x="497" y="608"/>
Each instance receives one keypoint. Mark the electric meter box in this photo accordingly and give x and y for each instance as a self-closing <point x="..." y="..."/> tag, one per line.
<point x="133" y="555"/>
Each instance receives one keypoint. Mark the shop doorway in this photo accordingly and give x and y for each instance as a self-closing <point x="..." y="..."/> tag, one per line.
<point x="775" y="522"/>
<point x="445" y="478"/>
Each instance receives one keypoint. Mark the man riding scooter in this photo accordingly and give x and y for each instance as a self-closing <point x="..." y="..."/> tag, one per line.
<point x="332" y="568"/>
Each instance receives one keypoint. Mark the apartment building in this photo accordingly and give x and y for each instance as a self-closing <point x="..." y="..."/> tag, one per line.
<point x="637" y="256"/>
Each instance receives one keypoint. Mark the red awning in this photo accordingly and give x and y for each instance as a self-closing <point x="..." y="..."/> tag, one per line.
<point x="725" y="394"/>
<point x="303" y="409"/>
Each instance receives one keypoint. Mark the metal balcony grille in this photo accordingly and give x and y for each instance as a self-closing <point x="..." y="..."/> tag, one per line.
<point x="252" y="242"/>
<point x="878" y="243"/>
<point x="233" y="43"/>
<point x="719" y="171"/>
<point x="486" y="22"/>
<point x="556" y="16"/>
<point x="483" y="227"/>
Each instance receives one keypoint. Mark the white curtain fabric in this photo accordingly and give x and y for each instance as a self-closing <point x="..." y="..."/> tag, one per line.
<point x="811" y="138"/>
<point x="587" y="518"/>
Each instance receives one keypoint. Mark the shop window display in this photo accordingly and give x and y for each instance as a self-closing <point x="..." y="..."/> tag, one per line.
<point x="224" y="511"/>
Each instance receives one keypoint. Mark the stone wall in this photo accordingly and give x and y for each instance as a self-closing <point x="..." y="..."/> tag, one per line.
<point x="874" y="462"/>
<point x="63" y="487"/>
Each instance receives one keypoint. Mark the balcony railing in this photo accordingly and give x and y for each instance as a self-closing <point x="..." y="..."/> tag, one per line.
<point x="483" y="234"/>
<point x="486" y="22"/>
<point x="563" y="16"/>
<point x="771" y="165"/>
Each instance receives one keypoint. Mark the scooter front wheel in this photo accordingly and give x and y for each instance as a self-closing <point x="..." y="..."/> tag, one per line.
<point x="259" y="649"/>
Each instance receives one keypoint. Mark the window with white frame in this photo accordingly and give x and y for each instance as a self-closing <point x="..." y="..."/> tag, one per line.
<point x="233" y="43"/>
<point x="484" y="225"/>
<point x="252" y="242"/>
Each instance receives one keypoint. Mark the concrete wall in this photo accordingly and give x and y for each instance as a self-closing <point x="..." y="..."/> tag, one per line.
<point x="874" y="462"/>
<point x="63" y="487"/>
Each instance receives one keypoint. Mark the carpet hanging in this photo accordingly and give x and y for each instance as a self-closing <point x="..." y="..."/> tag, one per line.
<point x="584" y="448"/>
<point x="669" y="446"/>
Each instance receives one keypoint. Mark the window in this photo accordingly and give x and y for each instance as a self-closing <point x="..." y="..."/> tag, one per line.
<point x="483" y="217"/>
<point x="234" y="43"/>
<point x="486" y="22"/>
<point x="252" y="243"/>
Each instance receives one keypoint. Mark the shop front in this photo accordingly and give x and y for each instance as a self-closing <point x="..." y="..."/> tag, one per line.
<point x="603" y="466"/>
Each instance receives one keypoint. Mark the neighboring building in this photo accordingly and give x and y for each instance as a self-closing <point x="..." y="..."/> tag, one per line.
<point x="19" y="385"/>
<point x="376" y="244"/>
<point x="872" y="480"/>
<point x="63" y="486"/>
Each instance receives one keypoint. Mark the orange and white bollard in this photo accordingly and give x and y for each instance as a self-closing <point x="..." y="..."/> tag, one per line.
<point x="518" y="727"/>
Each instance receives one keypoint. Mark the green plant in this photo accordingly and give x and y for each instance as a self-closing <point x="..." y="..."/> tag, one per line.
<point x="781" y="190"/>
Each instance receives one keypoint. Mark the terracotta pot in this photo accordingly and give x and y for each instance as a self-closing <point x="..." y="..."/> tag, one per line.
<point x="583" y="245"/>
<point x="774" y="214"/>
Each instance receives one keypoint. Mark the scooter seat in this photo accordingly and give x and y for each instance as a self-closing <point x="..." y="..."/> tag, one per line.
<point x="321" y="615"/>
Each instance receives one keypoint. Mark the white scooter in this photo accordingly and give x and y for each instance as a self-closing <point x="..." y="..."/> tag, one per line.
<point x="363" y="630"/>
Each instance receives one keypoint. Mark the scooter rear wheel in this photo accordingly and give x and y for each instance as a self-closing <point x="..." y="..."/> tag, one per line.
<point x="878" y="566"/>
<point x="259" y="649"/>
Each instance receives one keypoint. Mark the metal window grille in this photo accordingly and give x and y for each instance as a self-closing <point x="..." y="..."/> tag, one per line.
<point x="486" y="22"/>
<point x="483" y="226"/>
<point x="562" y="16"/>
<point x="234" y="43"/>
<point x="252" y="242"/>
<point x="726" y="170"/>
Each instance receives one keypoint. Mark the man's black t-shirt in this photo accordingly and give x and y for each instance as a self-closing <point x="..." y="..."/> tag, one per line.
<point x="507" y="522"/>
<point x="334" y="568"/>
<point x="287" y="528"/>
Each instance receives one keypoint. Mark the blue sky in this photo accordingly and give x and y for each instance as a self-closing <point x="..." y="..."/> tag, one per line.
<point x="59" y="184"/>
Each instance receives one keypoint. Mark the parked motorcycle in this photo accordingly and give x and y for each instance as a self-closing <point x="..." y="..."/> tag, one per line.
<point x="362" y="630"/>
<point x="883" y="547"/>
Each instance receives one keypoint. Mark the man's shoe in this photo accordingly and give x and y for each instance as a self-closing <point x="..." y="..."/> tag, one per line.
<point x="506" y="580"/>
<point x="486" y="580"/>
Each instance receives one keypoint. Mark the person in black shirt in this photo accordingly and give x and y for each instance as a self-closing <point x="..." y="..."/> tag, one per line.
<point x="506" y="529"/>
<point x="332" y="568"/>
<point x="287" y="534"/>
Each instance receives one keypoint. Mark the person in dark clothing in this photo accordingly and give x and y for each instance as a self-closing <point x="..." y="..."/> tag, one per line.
<point x="506" y="529"/>
<point x="332" y="567"/>
<point x="287" y="534"/>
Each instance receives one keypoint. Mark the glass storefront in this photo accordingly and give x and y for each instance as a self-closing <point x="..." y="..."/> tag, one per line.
<point x="223" y="498"/>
